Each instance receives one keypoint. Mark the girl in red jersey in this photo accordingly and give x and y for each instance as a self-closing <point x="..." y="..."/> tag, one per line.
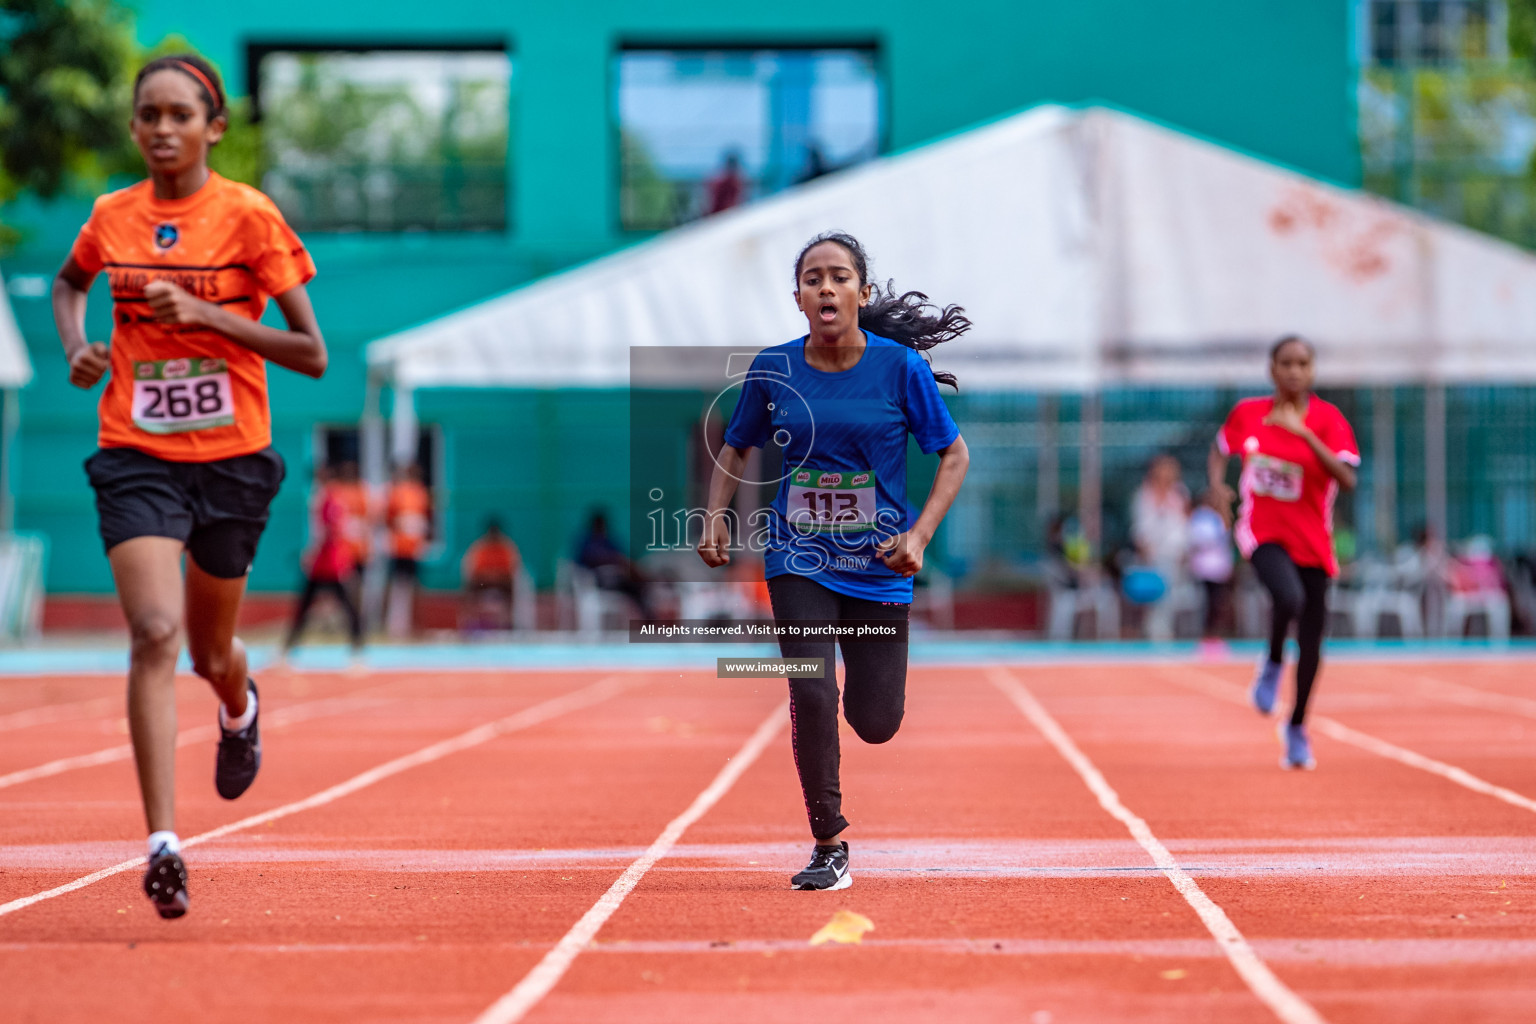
<point x="1297" y="451"/>
<point x="186" y="463"/>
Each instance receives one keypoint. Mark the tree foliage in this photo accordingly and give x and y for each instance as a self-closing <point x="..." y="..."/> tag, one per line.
<point x="63" y="91"/>
<point x="1522" y="29"/>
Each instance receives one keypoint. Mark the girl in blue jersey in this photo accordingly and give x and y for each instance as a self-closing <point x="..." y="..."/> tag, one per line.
<point x="841" y="544"/>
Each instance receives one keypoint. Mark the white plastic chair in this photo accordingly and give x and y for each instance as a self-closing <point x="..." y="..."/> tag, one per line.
<point x="1493" y="604"/>
<point x="584" y="606"/>
<point x="1067" y="603"/>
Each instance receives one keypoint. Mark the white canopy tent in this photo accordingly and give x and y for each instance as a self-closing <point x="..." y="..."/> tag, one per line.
<point x="1090" y="248"/>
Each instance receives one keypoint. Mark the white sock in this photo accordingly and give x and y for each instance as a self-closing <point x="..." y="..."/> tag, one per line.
<point x="236" y="724"/>
<point x="169" y="840"/>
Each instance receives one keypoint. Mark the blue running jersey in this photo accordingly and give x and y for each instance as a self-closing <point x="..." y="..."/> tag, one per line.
<point x="844" y="441"/>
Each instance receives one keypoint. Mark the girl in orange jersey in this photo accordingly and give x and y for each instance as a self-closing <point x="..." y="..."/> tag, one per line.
<point x="186" y="461"/>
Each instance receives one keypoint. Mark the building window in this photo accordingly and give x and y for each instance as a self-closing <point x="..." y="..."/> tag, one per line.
<point x="385" y="140"/>
<point x="701" y="131"/>
<point x="1436" y="32"/>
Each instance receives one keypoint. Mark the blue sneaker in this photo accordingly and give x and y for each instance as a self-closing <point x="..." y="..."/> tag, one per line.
<point x="1298" y="749"/>
<point x="1266" y="685"/>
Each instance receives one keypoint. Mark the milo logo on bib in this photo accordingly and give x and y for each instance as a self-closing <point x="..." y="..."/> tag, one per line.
<point x="175" y="396"/>
<point x="824" y="502"/>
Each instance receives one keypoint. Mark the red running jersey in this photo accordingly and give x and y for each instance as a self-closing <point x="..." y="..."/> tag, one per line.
<point x="1287" y="495"/>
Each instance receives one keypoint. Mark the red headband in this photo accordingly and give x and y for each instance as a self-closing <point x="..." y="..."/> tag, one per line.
<point x="213" y="94"/>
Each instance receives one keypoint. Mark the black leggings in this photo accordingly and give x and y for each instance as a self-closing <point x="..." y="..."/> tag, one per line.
<point x="874" y="689"/>
<point x="1299" y="593"/>
<point x="312" y="588"/>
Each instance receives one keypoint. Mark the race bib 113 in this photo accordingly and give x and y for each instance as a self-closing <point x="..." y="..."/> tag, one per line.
<point x="822" y="501"/>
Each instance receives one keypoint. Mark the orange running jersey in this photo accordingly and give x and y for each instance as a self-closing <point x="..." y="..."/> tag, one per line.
<point x="188" y="394"/>
<point x="358" y="502"/>
<point x="409" y="516"/>
<point x="490" y="561"/>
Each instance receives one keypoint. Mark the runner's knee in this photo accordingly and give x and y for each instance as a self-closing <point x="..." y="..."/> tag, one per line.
<point x="211" y="665"/>
<point x="1288" y="603"/>
<point x="154" y="635"/>
<point x="875" y="725"/>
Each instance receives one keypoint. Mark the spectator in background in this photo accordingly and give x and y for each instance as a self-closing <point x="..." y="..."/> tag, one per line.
<point x="408" y="516"/>
<point x="1160" y="531"/>
<point x="1211" y="562"/>
<point x="727" y="188"/>
<point x="1425" y="564"/>
<point x="331" y="566"/>
<point x="354" y="496"/>
<point x="597" y="552"/>
<point x="816" y="164"/>
<point x="1062" y="568"/>
<point x="489" y="571"/>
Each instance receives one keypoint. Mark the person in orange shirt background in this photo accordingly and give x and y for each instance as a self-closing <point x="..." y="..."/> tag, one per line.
<point x="408" y="516"/>
<point x="185" y="464"/>
<point x="489" y="570"/>
<point x="362" y="519"/>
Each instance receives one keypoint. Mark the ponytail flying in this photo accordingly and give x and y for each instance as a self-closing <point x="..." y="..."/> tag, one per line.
<point x="908" y="318"/>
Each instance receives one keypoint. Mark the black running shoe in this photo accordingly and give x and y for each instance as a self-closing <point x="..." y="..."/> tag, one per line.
<point x="828" y="869"/>
<point x="165" y="882"/>
<point x="239" y="755"/>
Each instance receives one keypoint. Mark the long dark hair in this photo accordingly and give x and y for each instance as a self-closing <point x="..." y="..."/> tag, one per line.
<point x="908" y="318"/>
<point x="195" y="68"/>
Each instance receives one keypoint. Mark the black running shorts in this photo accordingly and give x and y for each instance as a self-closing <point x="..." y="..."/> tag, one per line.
<point x="217" y="509"/>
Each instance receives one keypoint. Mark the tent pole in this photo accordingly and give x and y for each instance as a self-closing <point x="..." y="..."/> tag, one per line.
<point x="1090" y="491"/>
<point x="1435" y="509"/>
<point x="402" y="426"/>
<point x="10" y="419"/>
<point x="371" y="435"/>
<point x="1384" y="465"/>
<point x="371" y="442"/>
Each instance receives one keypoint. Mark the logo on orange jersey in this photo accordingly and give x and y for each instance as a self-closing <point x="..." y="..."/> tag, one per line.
<point x="166" y="236"/>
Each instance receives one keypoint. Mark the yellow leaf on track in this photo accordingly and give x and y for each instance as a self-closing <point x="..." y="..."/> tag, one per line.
<point x="845" y="926"/>
<point x="1173" y="975"/>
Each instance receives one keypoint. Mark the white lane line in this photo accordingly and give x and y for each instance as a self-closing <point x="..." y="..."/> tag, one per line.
<point x="1272" y="992"/>
<point x="58" y="713"/>
<point x="546" y="974"/>
<point x="1458" y="693"/>
<point x="1218" y="687"/>
<point x="278" y="717"/>
<point x="528" y="717"/>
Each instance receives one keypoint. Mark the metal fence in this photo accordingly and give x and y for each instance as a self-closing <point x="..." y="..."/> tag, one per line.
<point x="1033" y="457"/>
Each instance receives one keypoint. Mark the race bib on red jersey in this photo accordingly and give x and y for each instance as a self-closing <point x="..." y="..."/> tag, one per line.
<point x="1275" y="478"/>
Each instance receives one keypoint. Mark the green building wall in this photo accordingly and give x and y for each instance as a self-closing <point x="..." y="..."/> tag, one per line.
<point x="1274" y="79"/>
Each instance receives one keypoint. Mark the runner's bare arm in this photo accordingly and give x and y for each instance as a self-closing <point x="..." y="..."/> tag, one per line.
<point x="1216" y="477"/>
<point x="88" y="361"/>
<point x="903" y="553"/>
<point x="714" y="545"/>
<point x="300" y="348"/>
<point x="1288" y="418"/>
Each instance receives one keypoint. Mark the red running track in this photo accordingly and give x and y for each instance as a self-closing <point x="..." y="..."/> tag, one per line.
<point x="999" y="885"/>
